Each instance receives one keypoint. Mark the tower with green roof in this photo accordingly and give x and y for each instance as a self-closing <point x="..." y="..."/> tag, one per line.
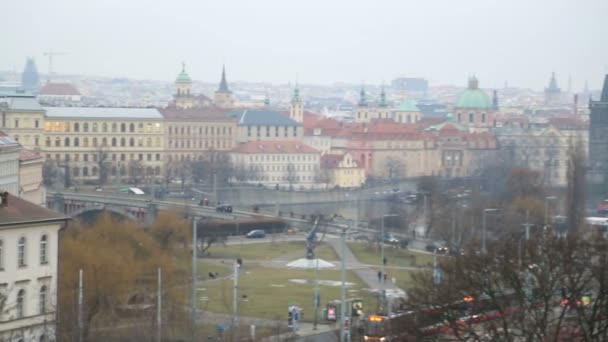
<point x="183" y="86"/>
<point x="474" y="107"/>
<point x="296" y="111"/>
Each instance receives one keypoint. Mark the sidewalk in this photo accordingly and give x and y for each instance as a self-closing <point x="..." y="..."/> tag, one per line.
<point x="305" y="332"/>
<point x="367" y="274"/>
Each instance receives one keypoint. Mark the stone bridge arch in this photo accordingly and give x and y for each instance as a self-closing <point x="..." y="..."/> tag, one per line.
<point x="103" y="207"/>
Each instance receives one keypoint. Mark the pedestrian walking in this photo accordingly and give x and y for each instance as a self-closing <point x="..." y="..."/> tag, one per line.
<point x="379" y="276"/>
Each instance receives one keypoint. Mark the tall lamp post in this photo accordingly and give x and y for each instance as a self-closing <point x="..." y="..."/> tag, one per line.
<point x="483" y="233"/>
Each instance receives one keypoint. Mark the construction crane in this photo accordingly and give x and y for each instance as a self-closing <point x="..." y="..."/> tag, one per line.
<point x="51" y="54"/>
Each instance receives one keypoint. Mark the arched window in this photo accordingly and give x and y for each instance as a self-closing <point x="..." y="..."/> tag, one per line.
<point x="123" y="127"/>
<point x="94" y="171"/>
<point x="57" y="142"/>
<point x="131" y="127"/>
<point x="140" y="141"/>
<point x="66" y="142"/>
<point x="114" y="127"/>
<point x="47" y="142"/>
<point x="483" y="118"/>
<point x="148" y="128"/>
<point x="114" y="142"/>
<point x="85" y="142"/>
<point x="42" y="300"/>
<point x="104" y="142"/>
<point x="21" y="252"/>
<point x="76" y="127"/>
<point x="122" y="141"/>
<point x="104" y="127"/>
<point x="157" y="143"/>
<point x="149" y="142"/>
<point x="131" y="141"/>
<point x="43" y="250"/>
<point x="75" y="172"/>
<point x="66" y="127"/>
<point x="94" y="142"/>
<point x="113" y="171"/>
<point x="471" y="117"/>
<point x="85" y="127"/>
<point x="94" y="126"/>
<point x="85" y="171"/>
<point x="76" y="142"/>
<point x="20" y="303"/>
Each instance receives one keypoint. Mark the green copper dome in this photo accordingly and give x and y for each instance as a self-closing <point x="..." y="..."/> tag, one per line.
<point x="408" y="106"/>
<point x="183" y="76"/>
<point x="473" y="97"/>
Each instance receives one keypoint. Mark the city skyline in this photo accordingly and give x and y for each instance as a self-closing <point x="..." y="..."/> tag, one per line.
<point x="337" y="42"/>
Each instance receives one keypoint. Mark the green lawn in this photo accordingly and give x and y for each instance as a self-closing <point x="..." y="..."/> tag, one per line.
<point x="268" y="250"/>
<point x="269" y="292"/>
<point x="256" y="251"/>
<point x="370" y="254"/>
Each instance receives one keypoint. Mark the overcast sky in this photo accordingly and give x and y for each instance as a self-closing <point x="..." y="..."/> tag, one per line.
<point x="320" y="41"/>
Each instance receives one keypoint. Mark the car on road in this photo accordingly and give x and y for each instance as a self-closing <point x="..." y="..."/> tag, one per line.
<point x="224" y="208"/>
<point x="256" y="234"/>
<point x="434" y="247"/>
<point x="390" y="239"/>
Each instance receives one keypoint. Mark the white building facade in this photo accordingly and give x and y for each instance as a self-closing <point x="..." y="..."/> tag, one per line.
<point x="28" y="270"/>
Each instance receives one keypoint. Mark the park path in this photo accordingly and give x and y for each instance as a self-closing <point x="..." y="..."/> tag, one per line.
<point x="367" y="273"/>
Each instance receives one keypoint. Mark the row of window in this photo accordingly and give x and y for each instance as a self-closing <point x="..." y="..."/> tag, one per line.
<point x="114" y="157"/>
<point x="282" y="157"/>
<point x="294" y="179"/>
<point x="299" y="167"/>
<point x="114" y="171"/>
<point x="114" y="142"/>
<point x="199" y="144"/>
<point x="16" y="122"/>
<point x="103" y="127"/>
<point x="276" y="131"/>
<point x="208" y="130"/>
<point x="22" y="251"/>
<point x="472" y="117"/>
<point x="42" y="303"/>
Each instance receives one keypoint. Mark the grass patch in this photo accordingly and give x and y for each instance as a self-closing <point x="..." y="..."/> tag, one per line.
<point x="268" y="301"/>
<point x="326" y="252"/>
<point x="256" y="251"/>
<point x="370" y="254"/>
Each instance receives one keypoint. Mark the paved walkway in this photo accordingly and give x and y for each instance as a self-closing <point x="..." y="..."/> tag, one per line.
<point x="367" y="274"/>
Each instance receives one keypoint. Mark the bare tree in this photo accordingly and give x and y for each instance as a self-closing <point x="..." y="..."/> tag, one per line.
<point x="136" y="171"/>
<point x="394" y="168"/>
<point x="103" y="164"/>
<point x="291" y="175"/>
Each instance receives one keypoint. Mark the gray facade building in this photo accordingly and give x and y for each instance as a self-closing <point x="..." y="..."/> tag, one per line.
<point x="598" y="141"/>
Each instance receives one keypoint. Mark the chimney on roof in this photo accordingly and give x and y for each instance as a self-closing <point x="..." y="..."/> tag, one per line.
<point x="4" y="197"/>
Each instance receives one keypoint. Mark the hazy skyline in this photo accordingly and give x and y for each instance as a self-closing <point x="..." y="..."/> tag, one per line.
<point x="322" y="42"/>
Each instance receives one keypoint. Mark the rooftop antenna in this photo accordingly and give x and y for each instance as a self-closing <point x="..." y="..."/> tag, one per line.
<point x="51" y="54"/>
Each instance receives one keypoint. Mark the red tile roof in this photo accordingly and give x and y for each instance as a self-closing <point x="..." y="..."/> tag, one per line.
<point x="20" y="211"/>
<point x="331" y="161"/>
<point x="274" y="146"/>
<point x="59" y="89"/>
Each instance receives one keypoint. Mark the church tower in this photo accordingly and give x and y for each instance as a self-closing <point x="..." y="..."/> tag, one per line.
<point x="183" y="86"/>
<point x="30" y="80"/>
<point x="383" y="110"/>
<point x="363" y="113"/>
<point x="223" y="96"/>
<point x="296" y="111"/>
<point x="598" y="142"/>
<point x="552" y="92"/>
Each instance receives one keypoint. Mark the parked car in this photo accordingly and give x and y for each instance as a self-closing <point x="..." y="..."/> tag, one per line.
<point x="256" y="234"/>
<point x="390" y="239"/>
<point x="224" y="208"/>
<point x="434" y="247"/>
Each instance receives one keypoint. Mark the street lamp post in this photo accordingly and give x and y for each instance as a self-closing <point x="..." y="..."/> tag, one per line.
<point x="483" y="233"/>
<point x="194" y="271"/>
<point x="343" y="299"/>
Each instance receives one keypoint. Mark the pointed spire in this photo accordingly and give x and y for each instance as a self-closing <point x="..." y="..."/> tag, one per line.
<point x="223" y="83"/>
<point x="553" y="82"/>
<point x="383" y="102"/>
<point x="295" y="98"/>
<point x="183" y="66"/>
<point x="362" y="99"/>
<point x="495" y="99"/>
